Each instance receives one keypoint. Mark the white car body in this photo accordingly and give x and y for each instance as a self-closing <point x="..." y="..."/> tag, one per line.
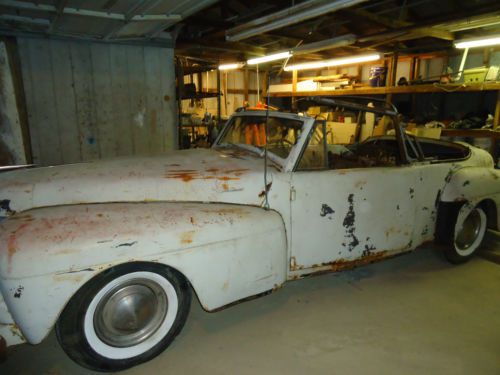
<point x="202" y="212"/>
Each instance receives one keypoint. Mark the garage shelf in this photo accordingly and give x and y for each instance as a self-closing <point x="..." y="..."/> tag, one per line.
<point x="416" y="89"/>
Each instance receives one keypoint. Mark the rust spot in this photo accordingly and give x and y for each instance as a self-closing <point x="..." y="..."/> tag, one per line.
<point x="186" y="177"/>
<point x="192" y="220"/>
<point x="212" y="170"/>
<point x="166" y="98"/>
<point x="225" y="186"/>
<point x="99" y="215"/>
<point x="342" y="264"/>
<point x="12" y="241"/>
<point x="236" y="172"/>
<point x="187" y="237"/>
<point x="14" y="329"/>
<point x="263" y="192"/>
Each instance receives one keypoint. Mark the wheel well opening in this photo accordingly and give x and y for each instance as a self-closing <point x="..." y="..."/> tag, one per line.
<point x="490" y="209"/>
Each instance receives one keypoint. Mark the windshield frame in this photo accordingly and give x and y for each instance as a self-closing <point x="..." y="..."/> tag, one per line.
<point x="286" y="163"/>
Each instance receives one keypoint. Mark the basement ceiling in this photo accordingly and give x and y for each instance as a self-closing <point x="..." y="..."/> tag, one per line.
<point x="235" y="30"/>
<point x="115" y="21"/>
<point x="409" y="26"/>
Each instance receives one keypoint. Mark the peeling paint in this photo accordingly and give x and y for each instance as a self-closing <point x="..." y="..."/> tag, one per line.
<point x="127" y="244"/>
<point x="19" y="291"/>
<point x="5" y="205"/>
<point x="326" y="210"/>
<point x="348" y="223"/>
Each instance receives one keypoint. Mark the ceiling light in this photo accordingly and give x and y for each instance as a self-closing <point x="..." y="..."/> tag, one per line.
<point x="484" y="42"/>
<point x="334" y="62"/>
<point x="264" y="59"/>
<point x="230" y="66"/>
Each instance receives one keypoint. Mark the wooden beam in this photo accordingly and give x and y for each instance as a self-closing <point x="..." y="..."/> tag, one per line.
<point x="393" y="23"/>
<point x="233" y="47"/>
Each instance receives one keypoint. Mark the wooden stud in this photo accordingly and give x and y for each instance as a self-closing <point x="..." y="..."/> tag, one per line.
<point x="496" y="120"/>
<point x="245" y="84"/>
<point x="294" y="81"/>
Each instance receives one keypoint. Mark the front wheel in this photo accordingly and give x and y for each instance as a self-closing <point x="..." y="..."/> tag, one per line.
<point x="125" y="316"/>
<point x="469" y="230"/>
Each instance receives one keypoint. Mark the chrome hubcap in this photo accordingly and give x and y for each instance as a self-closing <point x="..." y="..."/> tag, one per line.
<point x="469" y="232"/>
<point x="130" y="313"/>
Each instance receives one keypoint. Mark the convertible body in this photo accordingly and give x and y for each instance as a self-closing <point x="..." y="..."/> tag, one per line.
<point x="233" y="221"/>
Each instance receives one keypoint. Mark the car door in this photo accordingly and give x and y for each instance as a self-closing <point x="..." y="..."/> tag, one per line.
<point x="341" y="215"/>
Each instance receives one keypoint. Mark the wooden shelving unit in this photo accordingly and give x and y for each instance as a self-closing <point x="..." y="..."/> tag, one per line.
<point x="494" y="134"/>
<point x="416" y="89"/>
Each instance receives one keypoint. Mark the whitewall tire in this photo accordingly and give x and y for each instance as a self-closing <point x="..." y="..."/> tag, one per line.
<point x="124" y="316"/>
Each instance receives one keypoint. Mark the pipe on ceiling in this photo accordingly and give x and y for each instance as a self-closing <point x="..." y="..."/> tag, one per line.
<point x="293" y="15"/>
<point x="340" y="41"/>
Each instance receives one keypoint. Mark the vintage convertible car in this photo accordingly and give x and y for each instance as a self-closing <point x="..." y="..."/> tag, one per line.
<point x="109" y="252"/>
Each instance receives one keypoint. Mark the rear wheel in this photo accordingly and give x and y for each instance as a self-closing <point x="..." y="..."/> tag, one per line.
<point x="469" y="230"/>
<point x="125" y="316"/>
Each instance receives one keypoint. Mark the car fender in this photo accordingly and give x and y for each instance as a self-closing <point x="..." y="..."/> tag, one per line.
<point x="226" y="252"/>
<point x="472" y="185"/>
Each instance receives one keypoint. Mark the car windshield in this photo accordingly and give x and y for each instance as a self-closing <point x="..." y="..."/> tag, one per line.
<point x="249" y="132"/>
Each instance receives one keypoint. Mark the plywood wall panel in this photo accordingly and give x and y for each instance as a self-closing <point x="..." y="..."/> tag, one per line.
<point x="65" y="103"/>
<point x="169" y="103"/>
<point x="46" y="106"/>
<point x="153" y="116"/>
<point x="88" y="101"/>
<point x="103" y="97"/>
<point x="120" y="101"/>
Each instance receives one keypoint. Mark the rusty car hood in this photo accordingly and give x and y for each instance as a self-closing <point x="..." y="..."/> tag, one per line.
<point x="197" y="175"/>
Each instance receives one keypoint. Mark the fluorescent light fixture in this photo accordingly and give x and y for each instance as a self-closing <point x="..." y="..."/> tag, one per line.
<point x="230" y="66"/>
<point x="264" y="59"/>
<point x="484" y="42"/>
<point x="334" y="62"/>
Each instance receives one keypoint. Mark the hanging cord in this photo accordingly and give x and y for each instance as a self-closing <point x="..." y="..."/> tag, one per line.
<point x="266" y="189"/>
<point x="258" y="85"/>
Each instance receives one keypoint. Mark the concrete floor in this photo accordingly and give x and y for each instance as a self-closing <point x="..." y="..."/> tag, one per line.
<point x="415" y="314"/>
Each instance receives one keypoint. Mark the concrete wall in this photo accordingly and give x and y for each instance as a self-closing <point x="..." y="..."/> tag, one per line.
<point x="91" y="101"/>
<point x="11" y="139"/>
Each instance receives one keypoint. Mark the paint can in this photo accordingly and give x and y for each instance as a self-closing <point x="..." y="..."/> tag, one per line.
<point x="377" y="76"/>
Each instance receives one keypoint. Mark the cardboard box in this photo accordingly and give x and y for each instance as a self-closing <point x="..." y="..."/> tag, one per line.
<point x="340" y="133"/>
